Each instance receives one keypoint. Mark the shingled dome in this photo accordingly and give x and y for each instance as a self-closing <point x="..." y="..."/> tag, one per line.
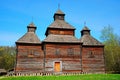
<point x="59" y="21"/>
<point x="61" y="25"/>
<point x="30" y="36"/>
<point x="87" y="39"/>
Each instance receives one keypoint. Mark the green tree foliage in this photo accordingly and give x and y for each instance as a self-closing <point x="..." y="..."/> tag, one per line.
<point x="7" y="57"/>
<point x="112" y="49"/>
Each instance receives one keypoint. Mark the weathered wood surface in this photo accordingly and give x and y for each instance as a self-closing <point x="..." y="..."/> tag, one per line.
<point x="95" y="63"/>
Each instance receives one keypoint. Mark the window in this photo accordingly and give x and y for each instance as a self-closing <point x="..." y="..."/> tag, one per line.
<point x="91" y="54"/>
<point x="31" y="53"/>
<point x="60" y="17"/>
<point x="57" y="51"/>
<point x="70" y="51"/>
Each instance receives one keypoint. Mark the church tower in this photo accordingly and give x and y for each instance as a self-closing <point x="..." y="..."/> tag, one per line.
<point x="92" y="53"/>
<point x="61" y="46"/>
<point x="59" y="15"/>
<point x="29" y="52"/>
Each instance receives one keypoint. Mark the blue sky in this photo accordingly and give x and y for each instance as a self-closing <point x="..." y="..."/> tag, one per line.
<point x="15" y="15"/>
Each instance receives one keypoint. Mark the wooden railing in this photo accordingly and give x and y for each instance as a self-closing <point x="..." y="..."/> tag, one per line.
<point x="45" y="74"/>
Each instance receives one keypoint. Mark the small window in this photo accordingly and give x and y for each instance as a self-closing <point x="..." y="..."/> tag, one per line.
<point x="70" y="51"/>
<point x="60" y="17"/>
<point x="91" y="54"/>
<point x="31" y="53"/>
<point x="57" y="51"/>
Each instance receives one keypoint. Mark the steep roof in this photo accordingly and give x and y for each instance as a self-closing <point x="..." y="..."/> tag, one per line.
<point x="59" y="21"/>
<point x="87" y="39"/>
<point x="61" y="24"/>
<point x="29" y="37"/>
<point x="61" y="39"/>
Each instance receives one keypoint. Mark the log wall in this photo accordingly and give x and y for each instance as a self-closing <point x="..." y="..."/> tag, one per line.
<point x="69" y="62"/>
<point x="93" y="59"/>
<point x="29" y="58"/>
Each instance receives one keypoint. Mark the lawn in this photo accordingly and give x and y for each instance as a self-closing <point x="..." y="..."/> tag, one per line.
<point x="70" y="77"/>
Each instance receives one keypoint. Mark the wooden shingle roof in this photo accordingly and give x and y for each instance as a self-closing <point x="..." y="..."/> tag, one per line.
<point x="61" y="24"/>
<point x="29" y="37"/>
<point x="61" y="39"/>
<point x="87" y="39"/>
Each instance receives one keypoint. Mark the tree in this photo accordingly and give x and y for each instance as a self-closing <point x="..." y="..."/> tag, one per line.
<point x="112" y="49"/>
<point x="7" y="57"/>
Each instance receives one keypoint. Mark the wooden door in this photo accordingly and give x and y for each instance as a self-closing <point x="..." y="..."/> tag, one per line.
<point x="57" y="67"/>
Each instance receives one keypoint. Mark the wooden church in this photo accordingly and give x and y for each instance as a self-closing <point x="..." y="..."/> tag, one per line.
<point x="60" y="51"/>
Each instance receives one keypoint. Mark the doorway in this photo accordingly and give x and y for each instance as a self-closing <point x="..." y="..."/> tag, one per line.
<point x="57" y="66"/>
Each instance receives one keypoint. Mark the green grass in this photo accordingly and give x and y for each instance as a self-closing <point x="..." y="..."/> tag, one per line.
<point x="70" y="77"/>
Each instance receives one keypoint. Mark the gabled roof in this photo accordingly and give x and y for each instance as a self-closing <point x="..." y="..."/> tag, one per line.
<point x="61" y="24"/>
<point x="29" y="37"/>
<point x="88" y="40"/>
<point x="61" y="39"/>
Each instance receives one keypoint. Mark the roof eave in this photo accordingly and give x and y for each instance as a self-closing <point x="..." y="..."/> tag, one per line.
<point x="93" y="45"/>
<point x="62" y="42"/>
<point x="26" y="43"/>
<point x="61" y="28"/>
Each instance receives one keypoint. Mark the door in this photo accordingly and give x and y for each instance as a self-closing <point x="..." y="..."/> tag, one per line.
<point x="57" y="66"/>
